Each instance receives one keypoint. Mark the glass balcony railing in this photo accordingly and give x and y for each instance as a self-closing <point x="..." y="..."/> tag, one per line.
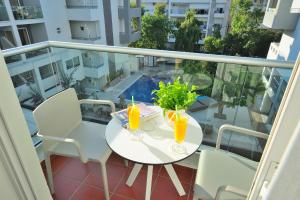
<point x="91" y="38"/>
<point x="230" y="90"/>
<point x="3" y="13"/>
<point x="179" y="11"/>
<point x="27" y="12"/>
<point x="81" y="4"/>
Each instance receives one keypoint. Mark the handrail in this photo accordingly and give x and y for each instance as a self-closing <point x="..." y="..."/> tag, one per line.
<point x="152" y="52"/>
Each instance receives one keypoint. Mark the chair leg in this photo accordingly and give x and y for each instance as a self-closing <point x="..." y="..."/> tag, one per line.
<point x="196" y="195"/>
<point x="126" y="162"/>
<point x="104" y="179"/>
<point x="49" y="172"/>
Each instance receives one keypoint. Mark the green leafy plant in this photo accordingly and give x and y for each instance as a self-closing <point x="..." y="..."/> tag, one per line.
<point x="171" y="94"/>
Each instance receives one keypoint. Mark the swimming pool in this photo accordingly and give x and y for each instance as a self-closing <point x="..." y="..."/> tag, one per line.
<point x="142" y="89"/>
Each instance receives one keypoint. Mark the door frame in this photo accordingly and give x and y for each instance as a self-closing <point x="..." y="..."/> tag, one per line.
<point x="283" y="127"/>
<point x="16" y="149"/>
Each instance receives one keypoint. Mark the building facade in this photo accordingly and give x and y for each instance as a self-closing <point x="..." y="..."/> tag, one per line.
<point x="40" y="74"/>
<point x="209" y="12"/>
<point x="84" y="21"/>
<point x="280" y="15"/>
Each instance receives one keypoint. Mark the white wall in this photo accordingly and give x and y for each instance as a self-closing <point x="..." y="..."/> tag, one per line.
<point x="54" y="12"/>
<point x="116" y="22"/>
<point x="91" y="29"/>
<point x="289" y="45"/>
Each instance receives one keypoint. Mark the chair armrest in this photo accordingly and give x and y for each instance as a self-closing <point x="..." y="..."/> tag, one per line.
<point x="240" y="130"/>
<point x="66" y="140"/>
<point x="100" y="102"/>
<point x="231" y="189"/>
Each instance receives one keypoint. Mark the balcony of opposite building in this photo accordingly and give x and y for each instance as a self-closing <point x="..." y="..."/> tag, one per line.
<point x="26" y="10"/>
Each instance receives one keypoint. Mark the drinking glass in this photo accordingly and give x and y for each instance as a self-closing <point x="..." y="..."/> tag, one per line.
<point x="133" y="112"/>
<point x="180" y="126"/>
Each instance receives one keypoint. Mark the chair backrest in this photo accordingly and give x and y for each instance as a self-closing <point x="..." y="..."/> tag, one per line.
<point x="58" y="115"/>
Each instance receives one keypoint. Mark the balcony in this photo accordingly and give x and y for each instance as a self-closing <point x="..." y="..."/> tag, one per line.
<point x="178" y="11"/>
<point x="278" y="16"/>
<point x="3" y="13"/>
<point x="85" y="30"/>
<point x="88" y="4"/>
<point x="27" y="12"/>
<point x="228" y="94"/>
<point x="273" y="51"/>
<point x="295" y="7"/>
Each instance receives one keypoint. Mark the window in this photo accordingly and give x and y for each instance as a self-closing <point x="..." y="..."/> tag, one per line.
<point x="201" y="11"/>
<point x="74" y="62"/>
<point x="69" y="64"/>
<point x="275" y="82"/>
<point x="22" y="78"/>
<point x="219" y="10"/>
<point x="48" y="70"/>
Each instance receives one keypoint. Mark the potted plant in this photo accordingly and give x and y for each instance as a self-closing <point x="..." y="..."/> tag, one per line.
<point x="171" y="94"/>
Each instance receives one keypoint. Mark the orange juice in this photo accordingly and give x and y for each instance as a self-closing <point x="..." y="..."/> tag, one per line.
<point x="133" y="117"/>
<point x="171" y="115"/>
<point x="180" y="126"/>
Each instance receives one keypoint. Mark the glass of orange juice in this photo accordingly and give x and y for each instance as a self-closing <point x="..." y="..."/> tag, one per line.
<point x="180" y="126"/>
<point x="133" y="112"/>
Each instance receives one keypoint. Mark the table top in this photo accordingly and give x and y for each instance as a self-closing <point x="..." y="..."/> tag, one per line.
<point x="155" y="144"/>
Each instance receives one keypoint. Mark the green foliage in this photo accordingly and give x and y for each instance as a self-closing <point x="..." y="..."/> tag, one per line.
<point x="216" y="31"/>
<point x="246" y="37"/>
<point x="133" y="4"/>
<point x="135" y="23"/>
<point x="159" y="9"/>
<point x="113" y="75"/>
<point x="66" y="79"/>
<point x="213" y="44"/>
<point x="36" y="95"/>
<point x="171" y="94"/>
<point x="241" y="90"/>
<point x="155" y="29"/>
<point x="188" y="33"/>
<point x="241" y="16"/>
<point x="193" y="67"/>
<point x="80" y="90"/>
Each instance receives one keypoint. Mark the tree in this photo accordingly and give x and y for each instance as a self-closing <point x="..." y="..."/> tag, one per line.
<point x="213" y="44"/>
<point x="238" y="87"/>
<point x="159" y="9"/>
<point x="246" y="37"/>
<point x="66" y="79"/>
<point x="155" y="30"/>
<point x="217" y="31"/>
<point x="188" y="33"/>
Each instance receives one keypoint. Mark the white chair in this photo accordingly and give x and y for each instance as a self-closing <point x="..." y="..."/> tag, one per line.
<point x="223" y="175"/>
<point x="60" y="124"/>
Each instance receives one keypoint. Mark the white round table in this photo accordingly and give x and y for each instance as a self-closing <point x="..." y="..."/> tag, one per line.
<point x="154" y="147"/>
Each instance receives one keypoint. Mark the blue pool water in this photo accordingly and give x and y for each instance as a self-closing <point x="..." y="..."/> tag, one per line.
<point x="142" y="89"/>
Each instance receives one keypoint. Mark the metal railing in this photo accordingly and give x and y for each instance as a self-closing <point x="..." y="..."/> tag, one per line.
<point x="179" y="11"/>
<point x="86" y="38"/>
<point x="81" y="4"/>
<point x="152" y="52"/>
<point x="231" y="89"/>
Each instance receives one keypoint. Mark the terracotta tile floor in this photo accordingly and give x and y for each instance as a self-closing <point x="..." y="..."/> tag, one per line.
<point x="75" y="180"/>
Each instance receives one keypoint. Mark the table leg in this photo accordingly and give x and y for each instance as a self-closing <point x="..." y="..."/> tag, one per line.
<point x="149" y="182"/>
<point x="175" y="179"/>
<point x="135" y="171"/>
